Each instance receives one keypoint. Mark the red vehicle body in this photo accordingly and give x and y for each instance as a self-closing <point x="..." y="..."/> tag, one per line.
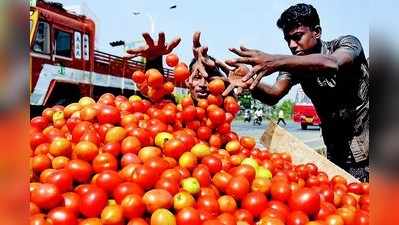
<point x="304" y="112"/>
<point x="64" y="64"/>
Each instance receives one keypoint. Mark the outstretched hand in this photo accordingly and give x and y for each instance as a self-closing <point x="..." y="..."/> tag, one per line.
<point x="154" y="49"/>
<point x="263" y="64"/>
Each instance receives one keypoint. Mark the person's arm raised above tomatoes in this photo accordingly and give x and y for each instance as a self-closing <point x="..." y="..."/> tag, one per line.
<point x="154" y="50"/>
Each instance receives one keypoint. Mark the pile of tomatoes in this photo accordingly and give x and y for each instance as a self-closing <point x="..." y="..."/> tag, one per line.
<point x="131" y="161"/>
<point x="153" y="84"/>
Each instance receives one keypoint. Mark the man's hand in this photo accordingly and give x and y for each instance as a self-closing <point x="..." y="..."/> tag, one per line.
<point x="235" y="80"/>
<point x="263" y="64"/>
<point x="154" y="50"/>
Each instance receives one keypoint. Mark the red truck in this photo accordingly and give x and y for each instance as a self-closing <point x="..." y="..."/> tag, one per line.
<point x="304" y="112"/>
<point x="64" y="64"/>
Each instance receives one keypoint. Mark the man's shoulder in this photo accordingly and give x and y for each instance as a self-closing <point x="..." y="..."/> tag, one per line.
<point x="343" y="41"/>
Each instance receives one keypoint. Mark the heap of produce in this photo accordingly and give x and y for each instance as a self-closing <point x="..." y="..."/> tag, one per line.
<point x="135" y="161"/>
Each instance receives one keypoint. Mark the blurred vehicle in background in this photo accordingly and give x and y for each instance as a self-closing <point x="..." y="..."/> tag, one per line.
<point x="304" y="112"/>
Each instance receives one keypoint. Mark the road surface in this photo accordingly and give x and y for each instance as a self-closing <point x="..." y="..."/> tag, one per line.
<point x="312" y="136"/>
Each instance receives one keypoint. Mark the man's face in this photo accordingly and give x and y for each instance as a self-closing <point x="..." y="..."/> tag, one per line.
<point x="302" y="40"/>
<point x="198" y="83"/>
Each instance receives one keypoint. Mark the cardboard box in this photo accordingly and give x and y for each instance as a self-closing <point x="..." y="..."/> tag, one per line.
<point x="277" y="139"/>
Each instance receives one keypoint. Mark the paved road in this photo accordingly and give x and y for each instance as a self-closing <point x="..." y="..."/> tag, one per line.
<point x="311" y="136"/>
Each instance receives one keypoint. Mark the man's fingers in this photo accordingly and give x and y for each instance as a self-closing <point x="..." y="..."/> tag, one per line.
<point x="242" y="60"/>
<point x="175" y="42"/>
<point x="228" y="90"/>
<point x="148" y="39"/>
<point x="249" y="75"/>
<point x="161" y="39"/>
<point x="257" y="80"/>
<point x="136" y="51"/>
<point x="245" y="49"/>
<point x="239" y="52"/>
<point x="196" y="39"/>
<point x="223" y="67"/>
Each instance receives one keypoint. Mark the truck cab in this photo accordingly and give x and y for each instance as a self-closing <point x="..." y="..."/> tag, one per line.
<point x="64" y="63"/>
<point x="304" y="111"/>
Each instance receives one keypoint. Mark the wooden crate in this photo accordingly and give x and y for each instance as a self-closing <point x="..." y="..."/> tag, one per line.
<point x="277" y="139"/>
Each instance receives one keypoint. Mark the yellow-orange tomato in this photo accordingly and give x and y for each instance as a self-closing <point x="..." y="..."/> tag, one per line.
<point x="181" y="72"/>
<point x="112" y="214"/>
<point x="71" y="108"/>
<point x="130" y="144"/>
<point x="233" y="146"/>
<point x="227" y="203"/>
<point x="155" y="78"/>
<point x="149" y="152"/>
<point x="88" y="113"/>
<point x="138" y="76"/>
<point x="216" y="87"/>
<point x="86" y="150"/>
<point x="59" y="162"/>
<point x="115" y="134"/>
<point x="168" y="87"/>
<point x="60" y="147"/>
<point x="247" y="142"/>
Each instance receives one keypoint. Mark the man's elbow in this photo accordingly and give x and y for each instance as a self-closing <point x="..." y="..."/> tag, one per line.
<point x="331" y="65"/>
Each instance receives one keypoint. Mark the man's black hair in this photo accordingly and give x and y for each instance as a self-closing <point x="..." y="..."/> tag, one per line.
<point x="298" y="15"/>
<point x="211" y="71"/>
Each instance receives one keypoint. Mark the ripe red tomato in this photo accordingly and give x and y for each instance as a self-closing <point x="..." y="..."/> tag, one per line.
<point x="255" y="203"/>
<point x="278" y="208"/>
<point x="227" y="219"/>
<point x="204" y="133"/>
<point x="244" y="215"/>
<point x="188" y="215"/>
<point x="108" y="180"/>
<point x="168" y="184"/>
<point x="104" y="161"/>
<point x="216" y="87"/>
<point x="93" y="202"/>
<point x="181" y="72"/>
<point x="209" y="204"/>
<point x="356" y="188"/>
<point x="213" y="163"/>
<point x="238" y="187"/>
<point x="71" y="201"/>
<point x="156" y="199"/>
<point x="145" y="176"/>
<point x="62" y="179"/>
<point x="172" y="60"/>
<point x="138" y="76"/>
<point x="221" y="180"/>
<point x="154" y="78"/>
<point x="62" y="216"/>
<point x="38" y="219"/>
<point x="40" y="162"/>
<point x="174" y="148"/>
<point x="108" y="114"/>
<point x="133" y="206"/>
<point x="79" y="169"/>
<point x="126" y="188"/>
<point x="232" y="107"/>
<point x="361" y="218"/>
<point x="334" y="220"/>
<point x="217" y="116"/>
<point x="189" y="113"/>
<point x="280" y="190"/>
<point x="202" y="174"/>
<point x="306" y="200"/>
<point x="137" y="221"/>
<point x="244" y="170"/>
<point x="326" y="209"/>
<point x="46" y="196"/>
<point x="297" y="218"/>
<point x="39" y="122"/>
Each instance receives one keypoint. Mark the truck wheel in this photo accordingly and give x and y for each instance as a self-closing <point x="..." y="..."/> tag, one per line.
<point x="304" y="126"/>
